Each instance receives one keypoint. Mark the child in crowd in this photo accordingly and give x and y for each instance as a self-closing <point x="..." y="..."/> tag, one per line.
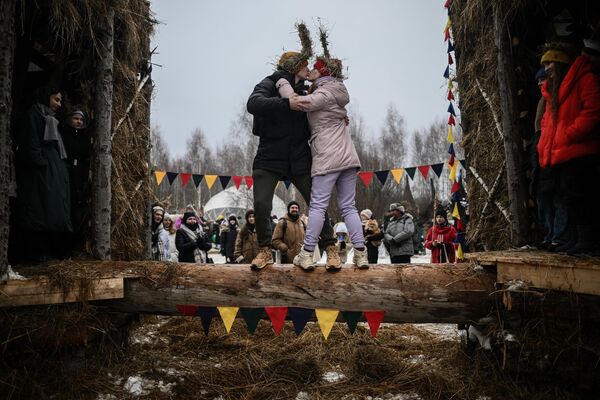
<point x="440" y="239"/>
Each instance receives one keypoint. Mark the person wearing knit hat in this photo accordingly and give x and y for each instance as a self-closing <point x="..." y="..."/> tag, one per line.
<point x="569" y="141"/>
<point x="160" y="237"/>
<point x="334" y="160"/>
<point x="283" y="149"/>
<point x="398" y="234"/>
<point x="289" y="233"/>
<point x="191" y="242"/>
<point x="440" y="239"/>
<point x="373" y="235"/>
<point x="246" y="244"/>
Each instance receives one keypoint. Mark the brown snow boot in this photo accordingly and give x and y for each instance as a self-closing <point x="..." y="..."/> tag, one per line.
<point x="334" y="262"/>
<point x="263" y="258"/>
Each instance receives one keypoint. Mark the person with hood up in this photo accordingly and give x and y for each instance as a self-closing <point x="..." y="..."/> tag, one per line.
<point x="343" y="241"/>
<point x="43" y="208"/>
<point x="570" y="139"/>
<point x="229" y="235"/>
<point x="246" y="245"/>
<point x="398" y="235"/>
<point x="289" y="233"/>
<point x="191" y="241"/>
<point x="440" y="239"/>
<point x="373" y="235"/>
<point x="160" y="236"/>
<point x="283" y="149"/>
<point x="334" y="158"/>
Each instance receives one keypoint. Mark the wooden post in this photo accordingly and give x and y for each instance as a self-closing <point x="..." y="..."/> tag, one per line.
<point x="512" y="140"/>
<point x="101" y="219"/>
<point x="7" y="51"/>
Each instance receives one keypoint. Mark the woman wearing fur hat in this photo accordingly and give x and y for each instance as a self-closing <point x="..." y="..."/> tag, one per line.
<point x="373" y="235"/>
<point x="440" y="239"/>
<point x="229" y="234"/>
<point x="570" y="142"/>
<point x="190" y="240"/>
<point x="43" y="207"/>
<point x="246" y="245"/>
<point x="334" y="158"/>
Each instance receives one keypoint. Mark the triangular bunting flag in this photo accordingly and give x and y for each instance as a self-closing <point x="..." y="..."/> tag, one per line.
<point x="447" y="3"/>
<point x="249" y="181"/>
<point x="451" y="120"/>
<point x="228" y="316"/>
<point x="159" y="175"/>
<point x="187" y="310"/>
<point x="450" y="46"/>
<point x="277" y="316"/>
<point x="450" y="135"/>
<point x="424" y="170"/>
<point x="450" y="60"/>
<point x="397" y="174"/>
<point x="446" y="34"/>
<point x="452" y="176"/>
<point x="447" y="72"/>
<point x="184" y="178"/>
<point x="382" y="176"/>
<point x="287" y="183"/>
<point x="450" y="94"/>
<point x="451" y="109"/>
<point x="411" y="172"/>
<point x="171" y="176"/>
<point x="224" y="180"/>
<point x="206" y="315"/>
<point x="459" y="225"/>
<point x="455" y="212"/>
<point x="451" y="149"/>
<point x="237" y="181"/>
<point x="197" y="179"/>
<point x="464" y="164"/>
<point x="252" y="316"/>
<point x="454" y="197"/>
<point x="450" y="85"/>
<point x="300" y="317"/>
<point x="366" y="177"/>
<point x="326" y="318"/>
<point x="459" y="252"/>
<point x="374" y="319"/>
<point x="437" y="168"/>
<point x="352" y="318"/>
<point x="210" y="180"/>
<point x="455" y="187"/>
<point x="451" y="160"/>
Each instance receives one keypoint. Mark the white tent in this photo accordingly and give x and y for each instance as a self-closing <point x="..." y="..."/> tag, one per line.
<point x="237" y="201"/>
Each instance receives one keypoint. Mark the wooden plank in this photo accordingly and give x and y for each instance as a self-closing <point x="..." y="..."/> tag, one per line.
<point x="573" y="279"/>
<point x="534" y="257"/>
<point x="39" y="291"/>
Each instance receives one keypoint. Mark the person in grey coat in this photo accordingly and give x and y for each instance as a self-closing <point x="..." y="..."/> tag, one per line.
<point x="398" y="235"/>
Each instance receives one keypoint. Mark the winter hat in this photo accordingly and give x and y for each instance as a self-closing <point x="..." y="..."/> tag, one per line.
<point x="158" y="208"/>
<point x="293" y="61"/>
<point x="396" y="206"/>
<point x="367" y="213"/>
<point x="341" y="228"/>
<point x="555" y="55"/>
<point x="292" y="203"/>
<point x="249" y="213"/>
<point x="232" y="217"/>
<point x="326" y="64"/>
<point x="441" y="212"/>
<point x="540" y="74"/>
<point x="188" y="214"/>
<point x="220" y="217"/>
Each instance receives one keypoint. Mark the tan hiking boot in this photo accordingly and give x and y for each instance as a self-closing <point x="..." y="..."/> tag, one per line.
<point x="333" y="259"/>
<point x="360" y="259"/>
<point x="304" y="260"/>
<point x="263" y="258"/>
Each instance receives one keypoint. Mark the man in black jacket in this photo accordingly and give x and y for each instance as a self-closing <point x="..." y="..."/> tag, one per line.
<point x="283" y="151"/>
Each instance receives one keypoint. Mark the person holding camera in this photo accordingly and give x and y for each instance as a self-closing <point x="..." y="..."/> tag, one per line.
<point x="190" y="240"/>
<point x="440" y="239"/>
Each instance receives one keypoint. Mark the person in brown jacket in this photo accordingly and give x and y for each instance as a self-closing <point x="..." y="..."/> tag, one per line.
<point x="246" y="244"/>
<point x="288" y="235"/>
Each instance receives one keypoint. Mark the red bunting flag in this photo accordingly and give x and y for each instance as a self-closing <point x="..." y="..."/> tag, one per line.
<point x="451" y="161"/>
<point x="187" y="309"/>
<point x="450" y="60"/>
<point x="451" y="120"/>
<point x="424" y="170"/>
<point x="237" y="180"/>
<point x="277" y="316"/>
<point x="459" y="225"/>
<point x="450" y="95"/>
<point x="447" y="3"/>
<point x="446" y="34"/>
<point x="374" y="319"/>
<point x="184" y="178"/>
<point x="366" y="177"/>
<point x="249" y="181"/>
<point x="455" y="187"/>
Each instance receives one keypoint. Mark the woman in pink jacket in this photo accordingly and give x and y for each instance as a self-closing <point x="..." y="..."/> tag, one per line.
<point x="334" y="158"/>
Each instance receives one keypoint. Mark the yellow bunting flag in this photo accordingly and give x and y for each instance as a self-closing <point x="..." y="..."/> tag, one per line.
<point x="455" y="212"/>
<point x="397" y="174"/>
<point x="159" y="175"/>
<point x="450" y="136"/>
<point x="453" y="170"/>
<point x="459" y="252"/>
<point x="326" y="318"/>
<point x="228" y="316"/>
<point x="210" y="180"/>
<point x="448" y="24"/>
<point x="450" y="84"/>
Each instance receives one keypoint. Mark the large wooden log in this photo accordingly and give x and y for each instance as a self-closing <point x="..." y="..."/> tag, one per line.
<point x="407" y="293"/>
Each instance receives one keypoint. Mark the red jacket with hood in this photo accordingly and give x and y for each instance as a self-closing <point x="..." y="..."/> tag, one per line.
<point x="576" y="130"/>
<point x="445" y="234"/>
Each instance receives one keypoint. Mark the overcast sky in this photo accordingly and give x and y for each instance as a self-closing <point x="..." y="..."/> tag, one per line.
<point x="213" y="53"/>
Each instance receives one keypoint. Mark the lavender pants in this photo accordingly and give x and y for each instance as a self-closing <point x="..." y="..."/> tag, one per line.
<point x="322" y="186"/>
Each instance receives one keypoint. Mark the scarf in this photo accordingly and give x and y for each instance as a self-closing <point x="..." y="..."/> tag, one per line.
<point x="194" y="235"/>
<point x="51" y="133"/>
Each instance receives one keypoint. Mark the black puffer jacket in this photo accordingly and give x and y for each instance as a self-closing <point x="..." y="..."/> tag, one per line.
<point x="283" y="146"/>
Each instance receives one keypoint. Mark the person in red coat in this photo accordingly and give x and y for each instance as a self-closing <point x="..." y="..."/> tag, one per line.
<point x="570" y="139"/>
<point x="440" y="239"/>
